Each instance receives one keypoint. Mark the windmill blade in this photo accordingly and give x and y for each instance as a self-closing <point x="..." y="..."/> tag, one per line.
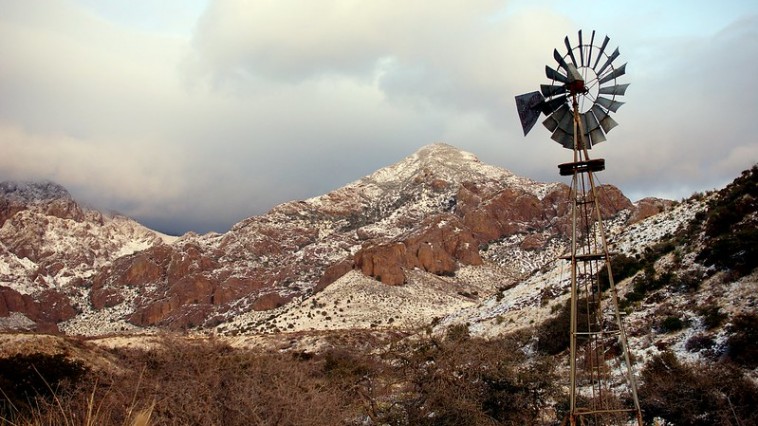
<point x="570" y="50"/>
<point x="599" y="112"/>
<point x="574" y="75"/>
<point x="581" y="50"/>
<point x="617" y="90"/>
<point x="584" y="127"/>
<point x="609" y="104"/>
<point x="608" y="123"/>
<point x="618" y="72"/>
<point x="551" y="123"/>
<point x="589" y="49"/>
<point x="553" y="104"/>
<point x="566" y="123"/>
<point x="563" y="138"/>
<point x="583" y="133"/>
<point x="611" y="58"/>
<point x="560" y="60"/>
<point x="555" y="75"/>
<point x="529" y="106"/>
<point x="592" y="129"/>
<point x="590" y="121"/>
<point x="602" y="49"/>
<point x="550" y="90"/>
<point x="597" y="136"/>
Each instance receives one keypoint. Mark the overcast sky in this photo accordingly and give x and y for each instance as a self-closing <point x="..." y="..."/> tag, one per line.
<point x="195" y="114"/>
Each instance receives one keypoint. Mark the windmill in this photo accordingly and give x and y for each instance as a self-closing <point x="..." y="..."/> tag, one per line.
<point x="578" y="101"/>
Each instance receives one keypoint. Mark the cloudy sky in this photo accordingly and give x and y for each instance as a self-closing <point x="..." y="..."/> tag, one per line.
<point x="194" y="114"/>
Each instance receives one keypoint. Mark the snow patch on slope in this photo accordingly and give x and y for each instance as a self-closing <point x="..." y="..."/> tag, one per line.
<point x="356" y="301"/>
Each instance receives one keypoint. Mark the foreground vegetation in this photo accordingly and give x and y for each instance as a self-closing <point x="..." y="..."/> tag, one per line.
<point x="455" y="380"/>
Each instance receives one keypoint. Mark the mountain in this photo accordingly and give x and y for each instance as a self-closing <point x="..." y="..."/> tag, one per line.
<point x="50" y="247"/>
<point x="434" y="233"/>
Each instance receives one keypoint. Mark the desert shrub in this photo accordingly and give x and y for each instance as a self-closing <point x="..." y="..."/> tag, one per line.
<point x="732" y="236"/>
<point x="203" y="382"/>
<point x="423" y="381"/>
<point x="736" y="250"/>
<point x="631" y="297"/>
<point x="27" y="381"/>
<point x="553" y="335"/>
<point x="656" y="251"/>
<point x="687" y="282"/>
<point x="648" y="282"/>
<point x="420" y="381"/>
<point x="712" y="316"/>
<point x="343" y="365"/>
<point x="734" y="202"/>
<point x="696" y="394"/>
<point x="470" y="382"/>
<point x="671" y="324"/>
<point x="623" y="267"/>
<point x="457" y="332"/>
<point x="699" y="342"/>
<point x="645" y="283"/>
<point x="742" y="345"/>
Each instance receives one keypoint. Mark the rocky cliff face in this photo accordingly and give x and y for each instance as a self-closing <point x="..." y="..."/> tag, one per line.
<point x="50" y="246"/>
<point x="432" y="212"/>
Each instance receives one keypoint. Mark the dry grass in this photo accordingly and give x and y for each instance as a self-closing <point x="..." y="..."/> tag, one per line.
<point x="417" y="380"/>
<point x="184" y="381"/>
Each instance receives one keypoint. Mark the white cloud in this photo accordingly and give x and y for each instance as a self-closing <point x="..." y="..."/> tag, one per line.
<point x="122" y="172"/>
<point x="269" y="101"/>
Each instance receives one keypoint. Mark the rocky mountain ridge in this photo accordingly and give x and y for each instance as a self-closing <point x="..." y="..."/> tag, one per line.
<point x="439" y="216"/>
<point x="50" y="246"/>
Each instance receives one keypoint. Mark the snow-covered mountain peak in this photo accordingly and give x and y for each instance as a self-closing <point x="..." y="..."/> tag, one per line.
<point x="30" y="192"/>
<point x="437" y="161"/>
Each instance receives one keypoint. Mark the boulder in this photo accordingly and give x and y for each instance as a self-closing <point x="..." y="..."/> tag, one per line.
<point x="647" y="207"/>
<point x="384" y="262"/>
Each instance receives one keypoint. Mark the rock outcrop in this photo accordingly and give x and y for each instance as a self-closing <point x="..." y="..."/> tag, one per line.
<point x="51" y="245"/>
<point x="46" y="308"/>
<point x="482" y="215"/>
<point x="438" y="246"/>
<point x="647" y="207"/>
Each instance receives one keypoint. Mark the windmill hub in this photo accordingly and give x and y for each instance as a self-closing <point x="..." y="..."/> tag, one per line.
<point x="575" y="83"/>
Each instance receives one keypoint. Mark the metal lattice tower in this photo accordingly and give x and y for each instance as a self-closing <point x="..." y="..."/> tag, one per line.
<point x="603" y="389"/>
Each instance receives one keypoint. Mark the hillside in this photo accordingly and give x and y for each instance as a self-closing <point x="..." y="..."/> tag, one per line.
<point x="428" y="290"/>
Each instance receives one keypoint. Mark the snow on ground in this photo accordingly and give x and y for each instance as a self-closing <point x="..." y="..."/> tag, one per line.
<point x="546" y="286"/>
<point x="520" y="306"/>
<point x="359" y="302"/>
<point x="16" y="321"/>
<point x="14" y="272"/>
<point x="636" y="237"/>
<point x="110" y="320"/>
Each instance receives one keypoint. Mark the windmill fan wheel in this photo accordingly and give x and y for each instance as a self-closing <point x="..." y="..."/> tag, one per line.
<point x="586" y="72"/>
